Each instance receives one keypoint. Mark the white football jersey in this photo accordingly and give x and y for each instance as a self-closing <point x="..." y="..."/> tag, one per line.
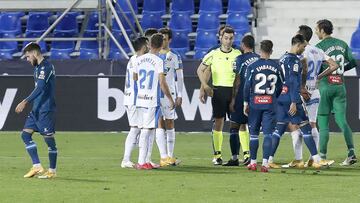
<point x="148" y="67"/>
<point x="314" y="57"/>
<point x="130" y="85"/>
<point x="172" y="63"/>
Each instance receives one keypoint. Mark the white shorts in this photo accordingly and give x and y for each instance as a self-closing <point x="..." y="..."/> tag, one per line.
<point x="148" y="117"/>
<point x="312" y="105"/>
<point x="132" y="115"/>
<point x="166" y="112"/>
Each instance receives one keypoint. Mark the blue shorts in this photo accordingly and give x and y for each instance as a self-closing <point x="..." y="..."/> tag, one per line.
<point x="238" y="116"/>
<point x="283" y="115"/>
<point x="44" y="123"/>
<point x="264" y="118"/>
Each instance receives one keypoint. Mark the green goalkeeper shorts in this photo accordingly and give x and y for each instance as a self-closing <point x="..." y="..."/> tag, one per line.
<point x="332" y="99"/>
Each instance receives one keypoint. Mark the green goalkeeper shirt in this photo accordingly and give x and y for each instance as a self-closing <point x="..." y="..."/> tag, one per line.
<point x="340" y="52"/>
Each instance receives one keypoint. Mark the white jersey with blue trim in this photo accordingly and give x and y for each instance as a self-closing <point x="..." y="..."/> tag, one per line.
<point x="172" y="63"/>
<point x="148" y="67"/>
<point x="314" y="57"/>
<point x="130" y="89"/>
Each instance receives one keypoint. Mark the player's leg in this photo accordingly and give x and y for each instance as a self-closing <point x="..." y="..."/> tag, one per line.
<point x="234" y="144"/>
<point x="268" y="128"/>
<point x="297" y="146"/>
<point x="324" y="110"/>
<point x="46" y="125"/>
<point x="339" y="107"/>
<point x="161" y="141"/>
<point x="170" y="138"/>
<point x="219" y="113"/>
<point x="151" y="123"/>
<point x="30" y="146"/>
<point x="131" y="138"/>
<point x="245" y="142"/>
<point x="254" y="128"/>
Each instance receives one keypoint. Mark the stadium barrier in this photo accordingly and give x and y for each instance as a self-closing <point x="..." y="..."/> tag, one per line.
<point x="95" y="103"/>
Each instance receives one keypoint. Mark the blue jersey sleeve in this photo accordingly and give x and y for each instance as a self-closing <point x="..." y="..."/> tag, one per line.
<point x="295" y="74"/>
<point x="247" y="86"/>
<point x="237" y="65"/>
<point x="279" y="82"/>
<point x="42" y="78"/>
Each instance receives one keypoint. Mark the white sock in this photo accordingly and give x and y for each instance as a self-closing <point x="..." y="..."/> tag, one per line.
<point x="271" y="159"/>
<point x="52" y="170"/>
<point x="252" y="161"/>
<point x="143" y="145"/>
<point x="170" y="142"/>
<point x="315" y="134"/>
<point x="37" y="165"/>
<point x="150" y="145"/>
<point x="316" y="158"/>
<point x="130" y="142"/>
<point x="297" y="144"/>
<point x="161" y="142"/>
<point x="265" y="163"/>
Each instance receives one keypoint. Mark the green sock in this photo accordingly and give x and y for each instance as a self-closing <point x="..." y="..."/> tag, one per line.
<point x="323" y="121"/>
<point x="245" y="142"/>
<point x="217" y="140"/>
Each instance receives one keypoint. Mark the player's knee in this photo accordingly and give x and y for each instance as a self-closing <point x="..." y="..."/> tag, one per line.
<point x="31" y="131"/>
<point x="254" y="137"/>
<point x="26" y="137"/>
<point x="242" y="127"/>
<point x="50" y="141"/>
<point x="305" y="128"/>
<point x="280" y="129"/>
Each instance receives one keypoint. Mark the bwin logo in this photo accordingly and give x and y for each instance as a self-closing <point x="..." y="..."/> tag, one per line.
<point x="5" y="105"/>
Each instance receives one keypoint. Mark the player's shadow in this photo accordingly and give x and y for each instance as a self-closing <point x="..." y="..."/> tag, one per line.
<point x="82" y="180"/>
<point x="203" y="169"/>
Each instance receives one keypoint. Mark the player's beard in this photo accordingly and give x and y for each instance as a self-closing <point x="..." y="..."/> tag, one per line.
<point x="35" y="62"/>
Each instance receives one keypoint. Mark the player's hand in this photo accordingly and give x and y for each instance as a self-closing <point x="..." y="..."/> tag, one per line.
<point x="292" y="110"/>
<point x="246" y="109"/>
<point x="305" y="94"/>
<point x="178" y="101"/>
<point x="202" y="96"/>
<point x="232" y="105"/>
<point x="172" y="104"/>
<point x="21" y="106"/>
<point x="209" y="91"/>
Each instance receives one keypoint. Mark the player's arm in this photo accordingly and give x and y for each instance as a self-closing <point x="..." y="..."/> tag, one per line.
<point x="179" y="81"/>
<point x="203" y="95"/>
<point x="332" y="67"/>
<point x="39" y="88"/>
<point x="203" y="73"/>
<point x="247" y="86"/>
<point x="304" y="93"/>
<point x="236" y="84"/>
<point x="165" y="89"/>
<point x="349" y="57"/>
<point x="294" y="87"/>
<point x="279" y="82"/>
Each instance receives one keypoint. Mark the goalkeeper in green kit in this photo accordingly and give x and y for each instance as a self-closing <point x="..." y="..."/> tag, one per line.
<point x="332" y="89"/>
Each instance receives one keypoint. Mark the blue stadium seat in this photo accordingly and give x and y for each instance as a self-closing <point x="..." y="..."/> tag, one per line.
<point x="155" y="6"/>
<point x="60" y="54"/>
<point x="205" y="39"/>
<point x="151" y="20"/>
<point x="184" y="6"/>
<point x="181" y="51"/>
<point x="179" y="39"/>
<point x="355" y="43"/>
<point x="180" y="21"/>
<point x="239" y="6"/>
<point x="8" y="46"/>
<point x="211" y="6"/>
<point x="61" y="49"/>
<point x="90" y="44"/>
<point x="124" y="22"/>
<point x="37" y="22"/>
<point x="200" y="53"/>
<point x="238" y="37"/>
<point x="114" y="52"/>
<point x="93" y="23"/>
<point x="89" y="53"/>
<point x="208" y="21"/>
<point x="239" y="22"/>
<point x="68" y="24"/>
<point x="124" y="6"/>
<point x="10" y="23"/>
<point x="42" y="44"/>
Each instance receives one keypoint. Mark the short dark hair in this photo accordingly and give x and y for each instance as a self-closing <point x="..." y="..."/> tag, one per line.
<point x="166" y="31"/>
<point x="228" y="29"/>
<point x="266" y="46"/>
<point x="306" y="31"/>
<point x="32" y="46"/>
<point x="297" y="39"/>
<point x="325" y="25"/>
<point x="150" y="31"/>
<point x="139" y="43"/>
<point x="156" y="40"/>
<point x="248" y="41"/>
<point x="221" y="28"/>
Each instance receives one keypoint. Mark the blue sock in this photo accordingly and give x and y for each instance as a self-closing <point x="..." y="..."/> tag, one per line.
<point x="50" y="141"/>
<point x="308" y="139"/>
<point x="267" y="146"/>
<point x="254" y="145"/>
<point x="280" y="129"/>
<point x="234" y="141"/>
<point x="30" y="146"/>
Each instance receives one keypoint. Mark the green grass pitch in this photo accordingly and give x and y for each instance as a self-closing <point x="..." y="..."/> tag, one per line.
<point x="89" y="171"/>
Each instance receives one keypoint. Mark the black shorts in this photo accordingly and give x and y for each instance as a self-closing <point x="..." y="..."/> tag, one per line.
<point x="220" y="101"/>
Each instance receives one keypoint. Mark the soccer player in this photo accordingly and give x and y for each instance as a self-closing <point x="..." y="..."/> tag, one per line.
<point x="314" y="57"/>
<point x="238" y="120"/>
<point x="149" y="75"/>
<point x="332" y="89"/>
<point x="149" y="32"/>
<point x="262" y="87"/>
<point x="42" y="116"/>
<point x="220" y="63"/>
<point x="290" y="107"/>
<point x="173" y="70"/>
<point x="141" y="47"/>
